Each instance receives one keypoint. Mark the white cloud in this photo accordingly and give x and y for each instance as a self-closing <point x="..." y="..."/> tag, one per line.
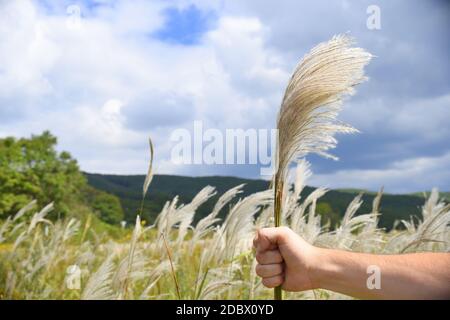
<point x="92" y="85"/>
<point x="426" y="116"/>
<point x="415" y="174"/>
<point x="103" y="88"/>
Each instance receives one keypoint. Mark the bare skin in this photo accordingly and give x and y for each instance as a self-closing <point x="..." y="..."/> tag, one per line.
<point x="285" y="259"/>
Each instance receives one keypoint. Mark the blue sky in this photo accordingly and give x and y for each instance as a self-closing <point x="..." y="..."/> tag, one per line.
<point x="184" y="26"/>
<point x="127" y="70"/>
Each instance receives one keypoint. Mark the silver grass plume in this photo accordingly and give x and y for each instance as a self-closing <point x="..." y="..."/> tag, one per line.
<point x="432" y="230"/>
<point x="98" y="286"/>
<point x="186" y="213"/>
<point x="132" y="253"/>
<point x="313" y="98"/>
<point x="205" y="225"/>
<point x="149" y="176"/>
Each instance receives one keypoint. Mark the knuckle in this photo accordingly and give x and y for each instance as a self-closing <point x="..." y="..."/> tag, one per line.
<point x="285" y="233"/>
<point x="255" y="238"/>
<point x="264" y="232"/>
<point x="274" y="257"/>
<point x="278" y="269"/>
<point x="260" y="233"/>
<point x="267" y="282"/>
<point x="277" y="257"/>
<point x="278" y="280"/>
<point x="259" y="257"/>
<point x="258" y="270"/>
<point x="272" y="282"/>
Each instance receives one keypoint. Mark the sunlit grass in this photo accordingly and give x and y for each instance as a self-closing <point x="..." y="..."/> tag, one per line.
<point x="210" y="260"/>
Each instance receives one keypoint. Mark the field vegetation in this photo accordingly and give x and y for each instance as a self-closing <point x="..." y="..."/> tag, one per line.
<point x="176" y="259"/>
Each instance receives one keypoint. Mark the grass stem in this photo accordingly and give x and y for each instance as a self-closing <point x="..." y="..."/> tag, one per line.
<point x="172" y="267"/>
<point x="277" y="215"/>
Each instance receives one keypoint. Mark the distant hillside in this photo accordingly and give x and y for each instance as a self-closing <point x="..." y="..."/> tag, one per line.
<point x="164" y="187"/>
<point x="443" y="195"/>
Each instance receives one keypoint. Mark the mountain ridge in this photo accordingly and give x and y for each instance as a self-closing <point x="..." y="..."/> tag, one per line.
<point x="165" y="187"/>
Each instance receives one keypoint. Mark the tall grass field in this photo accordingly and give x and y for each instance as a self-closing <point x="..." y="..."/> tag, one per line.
<point x="175" y="259"/>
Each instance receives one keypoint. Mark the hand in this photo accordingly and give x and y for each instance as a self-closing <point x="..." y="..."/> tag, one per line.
<point x="285" y="259"/>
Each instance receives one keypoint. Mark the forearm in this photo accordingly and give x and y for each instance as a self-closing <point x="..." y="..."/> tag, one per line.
<point x="408" y="276"/>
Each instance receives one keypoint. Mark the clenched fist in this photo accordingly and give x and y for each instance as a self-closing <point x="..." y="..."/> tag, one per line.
<point x="285" y="259"/>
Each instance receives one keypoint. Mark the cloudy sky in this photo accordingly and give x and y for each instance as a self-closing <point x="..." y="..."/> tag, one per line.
<point x="126" y="70"/>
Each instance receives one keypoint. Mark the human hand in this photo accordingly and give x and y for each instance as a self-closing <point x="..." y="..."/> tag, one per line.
<point x="285" y="259"/>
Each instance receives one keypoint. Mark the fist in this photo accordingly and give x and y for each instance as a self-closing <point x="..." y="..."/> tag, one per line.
<point x="285" y="259"/>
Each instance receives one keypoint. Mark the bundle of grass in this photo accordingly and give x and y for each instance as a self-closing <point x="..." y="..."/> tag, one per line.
<point x="307" y="118"/>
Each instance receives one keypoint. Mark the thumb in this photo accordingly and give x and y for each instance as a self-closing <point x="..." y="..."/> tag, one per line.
<point x="269" y="238"/>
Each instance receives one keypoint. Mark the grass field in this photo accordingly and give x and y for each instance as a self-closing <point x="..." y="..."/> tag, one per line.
<point x="175" y="258"/>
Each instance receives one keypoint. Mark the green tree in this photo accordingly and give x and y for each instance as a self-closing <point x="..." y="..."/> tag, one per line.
<point x="31" y="168"/>
<point x="105" y="205"/>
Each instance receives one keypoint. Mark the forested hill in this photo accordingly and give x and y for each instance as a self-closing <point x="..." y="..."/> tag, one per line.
<point x="164" y="187"/>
